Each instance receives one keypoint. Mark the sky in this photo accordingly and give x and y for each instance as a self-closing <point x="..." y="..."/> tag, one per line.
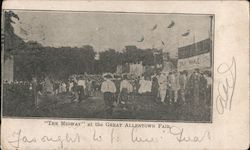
<point x="104" y="30"/>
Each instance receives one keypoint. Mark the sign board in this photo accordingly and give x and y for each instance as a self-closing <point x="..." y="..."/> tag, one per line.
<point x="198" y="61"/>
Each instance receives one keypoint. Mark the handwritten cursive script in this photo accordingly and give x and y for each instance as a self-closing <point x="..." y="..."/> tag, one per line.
<point x="226" y="86"/>
<point x="19" y="137"/>
<point x="174" y="131"/>
<point x="135" y="137"/>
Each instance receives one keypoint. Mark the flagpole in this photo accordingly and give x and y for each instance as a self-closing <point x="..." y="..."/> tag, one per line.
<point x="194" y="43"/>
<point x="178" y="44"/>
<point x="178" y="47"/>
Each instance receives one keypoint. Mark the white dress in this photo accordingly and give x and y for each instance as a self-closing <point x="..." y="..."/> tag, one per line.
<point x="145" y="86"/>
<point x="126" y="85"/>
<point x="71" y="86"/>
<point x="108" y="86"/>
<point x="63" y="87"/>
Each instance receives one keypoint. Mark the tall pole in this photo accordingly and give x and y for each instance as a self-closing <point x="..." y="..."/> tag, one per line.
<point x="194" y="42"/>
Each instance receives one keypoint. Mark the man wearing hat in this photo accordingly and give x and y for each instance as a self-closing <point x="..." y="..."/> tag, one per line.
<point x="163" y="85"/>
<point x="108" y="89"/>
<point x="194" y="93"/>
<point x="125" y="89"/>
<point x="81" y="82"/>
<point x="194" y="86"/>
<point x="34" y="90"/>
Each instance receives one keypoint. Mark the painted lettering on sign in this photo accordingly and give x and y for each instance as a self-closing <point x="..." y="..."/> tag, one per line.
<point x="199" y="61"/>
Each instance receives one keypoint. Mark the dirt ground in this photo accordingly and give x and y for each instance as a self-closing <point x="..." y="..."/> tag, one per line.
<point x="142" y="108"/>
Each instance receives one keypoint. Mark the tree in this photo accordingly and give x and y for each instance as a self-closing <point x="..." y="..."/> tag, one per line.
<point x="12" y="42"/>
<point x="59" y="63"/>
<point x="134" y="55"/>
<point x="109" y="60"/>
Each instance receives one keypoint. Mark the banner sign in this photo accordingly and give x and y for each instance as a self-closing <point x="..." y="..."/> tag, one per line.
<point x="199" y="61"/>
<point x="195" y="49"/>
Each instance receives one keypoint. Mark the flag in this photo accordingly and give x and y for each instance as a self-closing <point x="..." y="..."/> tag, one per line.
<point x="186" y="34"/>
<point x="141" y="40"/>
<point x="171" y="24"/>
<point x="162" y="43"/>
<point x="12" y="14"/>
<point x="155" y="26"/>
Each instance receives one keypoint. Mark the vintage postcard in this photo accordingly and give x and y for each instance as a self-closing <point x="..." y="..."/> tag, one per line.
<point x="113" y="75"/>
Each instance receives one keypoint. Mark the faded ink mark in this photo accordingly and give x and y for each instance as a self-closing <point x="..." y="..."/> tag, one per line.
<point x="226" y="86"/>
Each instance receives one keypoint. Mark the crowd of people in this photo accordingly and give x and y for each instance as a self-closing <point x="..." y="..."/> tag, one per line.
<point x="77" y="87"/>
<point x="123" y="90"/>
<point x="173" y="88"/>
<point x="37" y="90"/>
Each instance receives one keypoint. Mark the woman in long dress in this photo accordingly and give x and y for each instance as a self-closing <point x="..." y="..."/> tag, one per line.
<point x="163" y="83"/>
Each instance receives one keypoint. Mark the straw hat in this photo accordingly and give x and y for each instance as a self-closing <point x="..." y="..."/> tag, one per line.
<point x="107" y="76"/>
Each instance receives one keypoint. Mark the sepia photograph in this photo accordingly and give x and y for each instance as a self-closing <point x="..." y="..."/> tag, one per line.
<point x="107" y="65"/>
